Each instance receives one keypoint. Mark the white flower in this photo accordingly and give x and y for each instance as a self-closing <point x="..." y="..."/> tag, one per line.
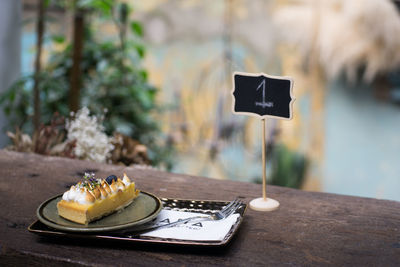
<point x="91" y="141"/>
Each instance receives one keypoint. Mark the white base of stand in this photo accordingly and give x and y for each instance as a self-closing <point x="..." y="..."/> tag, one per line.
<point x="260" y="204"/>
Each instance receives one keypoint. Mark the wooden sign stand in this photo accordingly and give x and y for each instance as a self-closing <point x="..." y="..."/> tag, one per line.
<point x="276" y="103"/>
<point x="264" y="203"/>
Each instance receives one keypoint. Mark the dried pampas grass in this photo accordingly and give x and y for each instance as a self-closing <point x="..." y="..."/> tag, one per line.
<point x="343" y="36"/>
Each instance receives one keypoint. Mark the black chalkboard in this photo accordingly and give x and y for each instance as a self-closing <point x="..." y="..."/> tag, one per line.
<point x="263" y="95"/>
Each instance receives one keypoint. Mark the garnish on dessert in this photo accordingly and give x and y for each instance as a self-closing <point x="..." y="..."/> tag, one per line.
<point x="94" y="198"/>
<point x="90" y="182"/>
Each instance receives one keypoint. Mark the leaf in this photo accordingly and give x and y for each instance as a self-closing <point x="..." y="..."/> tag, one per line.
<point x="104" y="6"/>
<point x="12" y="96"/>
<point x="7" y="110"/>
<point x="140" y="50"/>
<point x="46" y="3"/>
<point x="59" y="39"/>
<point x="143" y="74"/>
<point x="137" y="28"/>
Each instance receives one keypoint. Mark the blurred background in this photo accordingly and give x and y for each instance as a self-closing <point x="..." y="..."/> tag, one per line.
<point x="156" y="78"/>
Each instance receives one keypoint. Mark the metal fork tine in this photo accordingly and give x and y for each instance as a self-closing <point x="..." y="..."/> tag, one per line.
<point x="232" y="209"/>
<point x="230" y="204"/>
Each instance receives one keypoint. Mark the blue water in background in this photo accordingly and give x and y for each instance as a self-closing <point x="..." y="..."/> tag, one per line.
<point x="27" y="52"/>
<point x="362" y="143"/>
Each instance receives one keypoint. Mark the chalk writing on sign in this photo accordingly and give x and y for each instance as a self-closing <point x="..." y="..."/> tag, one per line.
<point x="263" y="104"/>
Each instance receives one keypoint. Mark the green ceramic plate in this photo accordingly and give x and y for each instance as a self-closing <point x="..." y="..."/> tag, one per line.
<point x="144" y="208"/>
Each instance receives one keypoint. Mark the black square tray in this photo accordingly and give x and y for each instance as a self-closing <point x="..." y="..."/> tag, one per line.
<point x="200" y="206"/>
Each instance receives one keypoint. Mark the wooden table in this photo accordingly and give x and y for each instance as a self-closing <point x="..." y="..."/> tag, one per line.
<point x="308" y="229"/>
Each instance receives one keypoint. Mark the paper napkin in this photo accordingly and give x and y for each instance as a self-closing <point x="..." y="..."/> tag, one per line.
<point x="196" y="230"/>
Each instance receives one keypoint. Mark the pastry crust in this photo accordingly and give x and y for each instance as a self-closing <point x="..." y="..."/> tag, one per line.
<point x="94" y="203"/>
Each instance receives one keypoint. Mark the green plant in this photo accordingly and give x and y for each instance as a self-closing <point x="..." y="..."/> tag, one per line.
<point x="113" y="81"/>
<point x="288" y="168"/>
<point x="17" y="101"/>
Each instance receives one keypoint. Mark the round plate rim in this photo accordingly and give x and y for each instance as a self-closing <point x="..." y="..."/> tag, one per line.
<point x="99" y="229"/>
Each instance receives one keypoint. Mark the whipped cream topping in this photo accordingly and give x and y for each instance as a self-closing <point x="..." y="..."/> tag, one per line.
<point x="82" y="199"/>
<point x="82" y="195"/>
<point x="76" y="194"/>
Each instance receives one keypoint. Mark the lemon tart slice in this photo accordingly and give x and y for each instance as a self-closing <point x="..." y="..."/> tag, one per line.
<point x="93" y="198"/>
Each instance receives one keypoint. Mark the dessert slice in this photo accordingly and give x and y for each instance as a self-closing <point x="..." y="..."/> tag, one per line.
<point x="94" y="198"/>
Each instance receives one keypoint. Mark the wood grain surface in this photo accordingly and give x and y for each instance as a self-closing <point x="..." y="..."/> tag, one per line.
<point x="309" y="229"/>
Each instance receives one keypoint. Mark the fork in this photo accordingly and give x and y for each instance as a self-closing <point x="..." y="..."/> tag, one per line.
<point x="229" y="209"/>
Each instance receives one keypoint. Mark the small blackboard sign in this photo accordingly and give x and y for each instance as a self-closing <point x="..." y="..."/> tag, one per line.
<point x="262" y="95"/>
